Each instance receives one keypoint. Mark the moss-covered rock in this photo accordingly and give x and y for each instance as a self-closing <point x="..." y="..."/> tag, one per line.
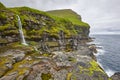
<point x="35" y="22"/>
<point x="46" y="76"/>
<point x="19" y="62"/>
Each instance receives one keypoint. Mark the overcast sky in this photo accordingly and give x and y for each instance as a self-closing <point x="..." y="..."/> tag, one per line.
<point x="102" y="15"/>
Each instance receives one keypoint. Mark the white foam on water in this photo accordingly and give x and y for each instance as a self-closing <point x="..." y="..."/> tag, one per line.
<point x="100" y="52"/>
<point x="23" y="41"/>
<point x="96" y="43"/>
<point x="109" y="72"/>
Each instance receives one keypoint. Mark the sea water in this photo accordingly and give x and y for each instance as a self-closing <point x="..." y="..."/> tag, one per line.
<point x="108" y="55"/>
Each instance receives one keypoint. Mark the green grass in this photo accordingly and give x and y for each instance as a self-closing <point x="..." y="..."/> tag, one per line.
<point x="94" y="67"/>
<point x="69" y="76"/>
<point x="2" y="28"/>
<point x="65" y="13"/>
<point x="70" y="15"/>
<point x="90" y="71"/>
<point x="1" y="6"/>
<point x="19" y="9"/>
<point x="3" y="16"/>
<point x="47" y="76"/>
<point x="52" y="22"/>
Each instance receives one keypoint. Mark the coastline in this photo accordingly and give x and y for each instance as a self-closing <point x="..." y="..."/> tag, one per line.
<point x="59" y="65"/>
<point x="19" y="61"/>
<point x="102" y="50"/>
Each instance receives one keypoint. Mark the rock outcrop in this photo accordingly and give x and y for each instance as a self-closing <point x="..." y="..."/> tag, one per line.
<point x="25" y="63"/>
<point x="45" y="58"/>
<point x="35" y="23"/>
<point x="116" y="76"/>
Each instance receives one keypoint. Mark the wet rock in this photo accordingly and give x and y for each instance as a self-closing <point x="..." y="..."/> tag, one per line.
<point x="93" y="48"/>
<point x="116" y="76"/>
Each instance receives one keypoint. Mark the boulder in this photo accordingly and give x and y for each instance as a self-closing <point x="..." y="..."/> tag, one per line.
<point x="17" y="55"/>
<point x="116" y="76"/>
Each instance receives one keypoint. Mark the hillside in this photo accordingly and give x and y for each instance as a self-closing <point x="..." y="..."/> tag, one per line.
<point x="54" y="47"/>
<point x="35" y="22"/>
<point x="1" y="6"/>
<point x="70" y="15"/>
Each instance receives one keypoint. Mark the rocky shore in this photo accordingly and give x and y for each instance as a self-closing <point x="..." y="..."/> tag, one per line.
<point x="20" y="62"/>
<point x="46" y="47"/>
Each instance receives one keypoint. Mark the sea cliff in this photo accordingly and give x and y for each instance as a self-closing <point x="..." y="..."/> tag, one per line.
<point x="56" y="49"/>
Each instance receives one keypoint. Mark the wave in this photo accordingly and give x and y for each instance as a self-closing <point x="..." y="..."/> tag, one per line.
<point x="108" y="71"/>
<point x="99" y="52"/>
<point x="108" y="53"/>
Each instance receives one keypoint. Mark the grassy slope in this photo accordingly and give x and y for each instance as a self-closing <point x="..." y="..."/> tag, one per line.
<point x="66" y="22"/>
<point x="70" y="15"/>
<point x="1" y="5"/>
<point x="55" y="24"/>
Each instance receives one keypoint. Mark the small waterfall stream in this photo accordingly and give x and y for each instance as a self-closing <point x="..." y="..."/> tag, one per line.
<point x="21" y="32"/>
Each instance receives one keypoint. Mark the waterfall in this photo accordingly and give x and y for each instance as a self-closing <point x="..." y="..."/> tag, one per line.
<point x="21" y="32"/>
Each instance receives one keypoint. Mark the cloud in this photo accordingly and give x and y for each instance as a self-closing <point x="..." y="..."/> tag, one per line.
<point x="100" y="14"/>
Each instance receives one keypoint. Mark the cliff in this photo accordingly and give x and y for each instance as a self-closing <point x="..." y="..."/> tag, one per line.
<point x="54" y="51"/>
<point x="70" y="15"/>
<point x="34" y="22"/>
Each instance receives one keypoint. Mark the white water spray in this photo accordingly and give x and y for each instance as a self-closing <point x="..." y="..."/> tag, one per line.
<point x="21" y="32"/>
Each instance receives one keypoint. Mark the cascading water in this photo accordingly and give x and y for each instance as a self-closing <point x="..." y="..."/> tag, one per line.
<point x="21" y="32"/>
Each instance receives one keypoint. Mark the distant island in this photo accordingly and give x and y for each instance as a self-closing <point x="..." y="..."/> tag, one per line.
<point x="38" y="45"/>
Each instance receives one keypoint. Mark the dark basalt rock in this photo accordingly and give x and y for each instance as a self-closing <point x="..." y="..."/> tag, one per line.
<point x="116" y="76"/>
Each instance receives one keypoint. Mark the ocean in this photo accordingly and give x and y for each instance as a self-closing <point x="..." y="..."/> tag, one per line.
<point x="108" y="55"/>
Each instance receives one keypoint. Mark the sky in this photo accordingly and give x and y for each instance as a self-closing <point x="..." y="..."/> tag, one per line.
<point x="102" y="15"/>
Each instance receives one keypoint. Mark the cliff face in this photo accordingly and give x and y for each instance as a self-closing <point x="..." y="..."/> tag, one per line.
<point x="57" y="57"/>
<point x="34" y="22"/>
<point x="69" y="14"/>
